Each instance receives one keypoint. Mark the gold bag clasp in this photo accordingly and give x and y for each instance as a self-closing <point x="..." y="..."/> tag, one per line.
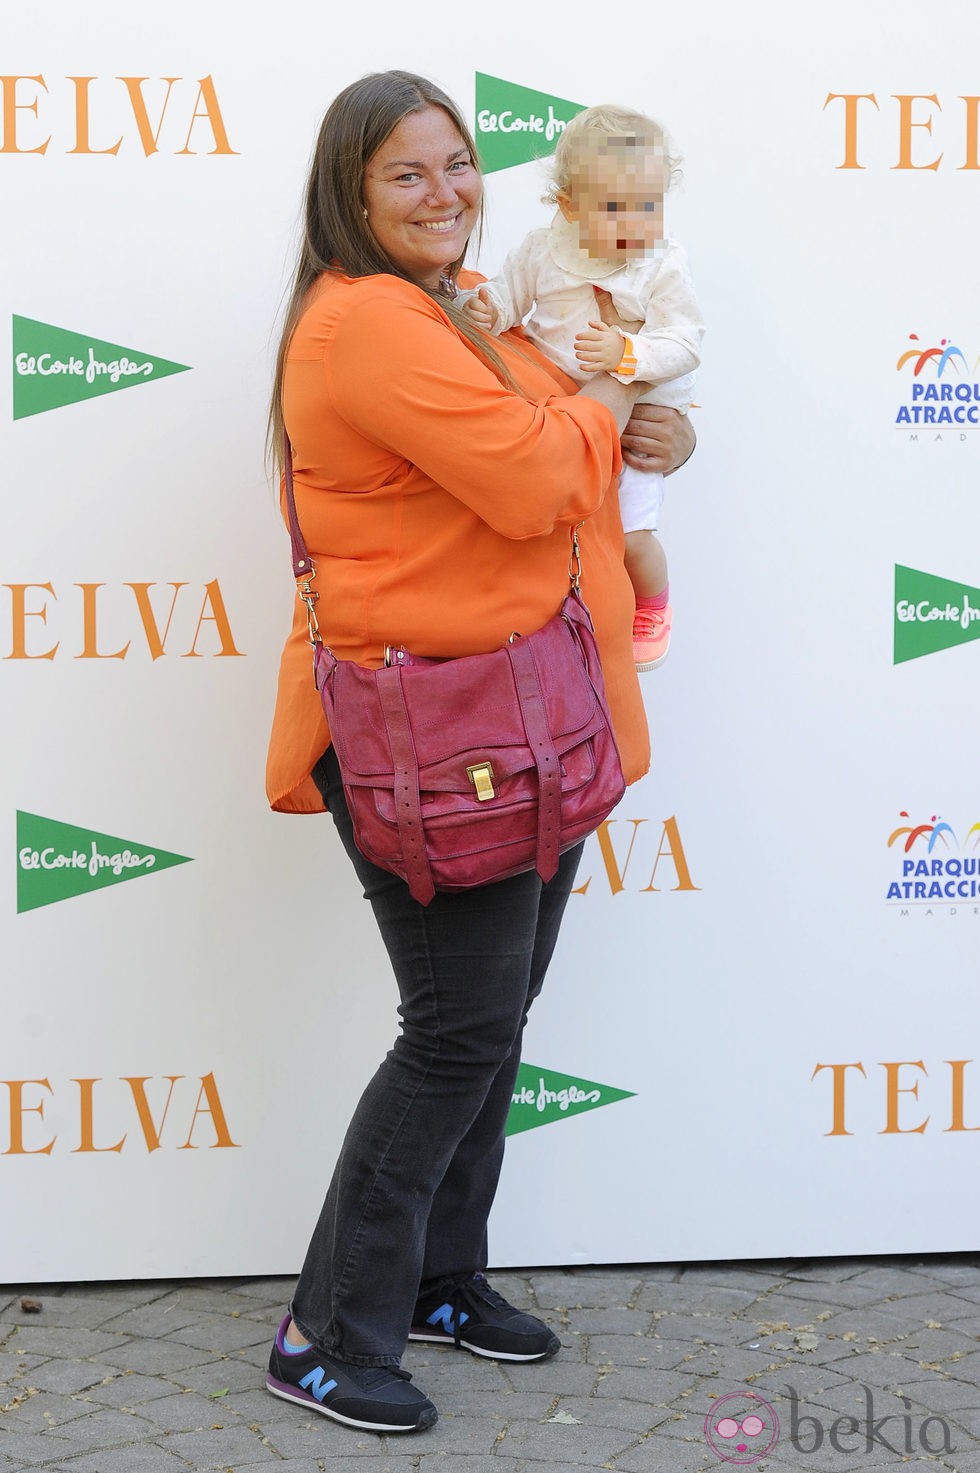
<point x="481" y="776"/>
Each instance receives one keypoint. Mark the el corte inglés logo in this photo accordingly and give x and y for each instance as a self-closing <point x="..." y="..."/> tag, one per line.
<point x="542" y="1096"/>
<point x="53" y="367"/>
<point x="57" y="860"/>
<point x="515" y="125"/>
<point x="932" y="614"/>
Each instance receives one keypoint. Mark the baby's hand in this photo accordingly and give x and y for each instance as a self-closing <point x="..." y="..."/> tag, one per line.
<point x="599" y="347"/>
<point x="480" y="310"/>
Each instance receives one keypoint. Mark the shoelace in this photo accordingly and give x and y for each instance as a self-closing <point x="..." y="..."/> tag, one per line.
<point x="369" y="1378"/>
<point x="646" y="622"/>
<point x="472" y="1294"/>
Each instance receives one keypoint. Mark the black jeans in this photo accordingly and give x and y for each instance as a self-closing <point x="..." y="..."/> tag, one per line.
<point x="418" y="1170"/>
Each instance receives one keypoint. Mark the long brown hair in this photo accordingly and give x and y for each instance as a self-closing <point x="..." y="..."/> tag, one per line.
<point x="336" y="234"/>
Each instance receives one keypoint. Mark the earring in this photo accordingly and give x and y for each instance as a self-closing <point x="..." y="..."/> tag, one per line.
<point x="364" y="213"/>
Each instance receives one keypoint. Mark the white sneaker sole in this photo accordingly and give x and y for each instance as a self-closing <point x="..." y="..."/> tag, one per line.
<point x="315" y="1406"/>
<point x="480" y="1350"/>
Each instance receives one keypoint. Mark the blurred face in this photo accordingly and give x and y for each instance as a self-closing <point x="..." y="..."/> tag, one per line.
<point x="617" y="201"/>
<point x="422" y="194"/>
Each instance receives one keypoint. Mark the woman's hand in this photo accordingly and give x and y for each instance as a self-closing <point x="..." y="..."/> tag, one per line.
<point x="657" y="439"/>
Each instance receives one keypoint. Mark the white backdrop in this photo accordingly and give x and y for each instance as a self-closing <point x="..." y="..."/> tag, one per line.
<point x="229" y="1009"/>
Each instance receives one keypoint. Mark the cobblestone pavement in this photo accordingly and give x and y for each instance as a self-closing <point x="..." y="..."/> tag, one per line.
<point x="868" y="1365"/>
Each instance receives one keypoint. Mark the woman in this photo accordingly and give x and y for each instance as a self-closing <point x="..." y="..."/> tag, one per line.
<point x="437" y="477"/>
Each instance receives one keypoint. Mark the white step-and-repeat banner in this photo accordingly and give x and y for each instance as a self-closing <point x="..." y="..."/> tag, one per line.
<point x="758" y="1036"/>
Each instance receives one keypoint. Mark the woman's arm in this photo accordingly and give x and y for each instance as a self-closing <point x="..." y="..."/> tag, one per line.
<point x="657" y="439"/>
<point x="619" y="398"/>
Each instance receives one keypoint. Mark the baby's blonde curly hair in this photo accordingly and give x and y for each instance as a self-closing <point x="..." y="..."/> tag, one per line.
<point x="613" y="123"/>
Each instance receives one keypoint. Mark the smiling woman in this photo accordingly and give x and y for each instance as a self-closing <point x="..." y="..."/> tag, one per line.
<point x="422" y="195"/>
<point x="437" y="478"/>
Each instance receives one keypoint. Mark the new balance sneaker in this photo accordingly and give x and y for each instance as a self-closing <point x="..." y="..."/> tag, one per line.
<point x="374" y="1398"/>
<point x="651" y="637"/>
<point x="464" y="1311"/>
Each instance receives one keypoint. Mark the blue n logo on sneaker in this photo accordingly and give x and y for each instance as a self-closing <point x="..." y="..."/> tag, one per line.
<point x="444" y="1316"/>
<point x="313" y="1382"/>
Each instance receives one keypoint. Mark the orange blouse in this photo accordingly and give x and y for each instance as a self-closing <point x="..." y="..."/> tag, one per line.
<point x="437" y="505"/>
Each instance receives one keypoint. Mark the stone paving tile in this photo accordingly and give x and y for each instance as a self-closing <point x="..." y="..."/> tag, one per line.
<point x="158" y="1318"/>
<point x="617" y="1321"/>
<point x="28" y="1450"/>
<point x="69" y="1311"/>
<point x="709" y="1329"/>
<point x="148" y="1459"/>
<point x="221" y="1333"/>
<point x="227" y="1447"/>
<point x="306" y="1436"/>
<point x="46" y="1410"/>
<point x="214" y="1376"/>
<point x="639" y="1417"/>
<point x="185" y="1411"/>
<point x="560" y="1377"/>
<point x="732" y="1276"/>
<point x="156" y="1357"/>
<point x="581" y="1291"/>
<point x="963" y="1269"/>
<point x="659" y="1454"/>
<point x="125" y="1389"/>
<point x="650" y="1386"/>
<point x="885" y="1322"/>
<point x="501" y="1404"/>
<point x="66" y="1344"/>
<point x="269" y="1291"/>
<point x="937" y="1394"/>
<point x="702" y="1298"/>
<point x="456" y="1435"/>
<point x="620" y="1350"/>
<point x="67" y="1376"/>
<point x="563" y="1446"/>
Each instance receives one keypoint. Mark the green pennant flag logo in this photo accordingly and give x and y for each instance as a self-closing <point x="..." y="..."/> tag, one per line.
<point x="54" y="367"/>
<point x="542" y="1096"/>
<point x="57" y="860"/>
<point x="932" y="614"/>
<point x="516" y="124"/>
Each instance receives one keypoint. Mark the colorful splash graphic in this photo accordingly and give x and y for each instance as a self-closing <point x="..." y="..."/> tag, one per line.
<point x="936" y="866"/>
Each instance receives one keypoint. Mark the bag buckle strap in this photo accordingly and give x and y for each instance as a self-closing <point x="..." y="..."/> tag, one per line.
<point x="408" y="805"/>
<point x="535" y="718"/>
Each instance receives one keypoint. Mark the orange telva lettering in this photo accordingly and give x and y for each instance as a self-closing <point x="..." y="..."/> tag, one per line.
<point x="893" y="1091"/>
<point x="616" y="876"/>
<point x="17" y="1112"/>
<point x="956" y="1110"/>
<point x="11" y="107"/>
<point x="905" y="125"/>
<point x="672" y="848"/>
<point x="151" y="1131"/>
<point x="851" y="100"/>
<point x="148" y="137"/>
<point x="90" y="631"/>
<point x="82" y="144"/>
<point x="839" y="1072"/>
<point x="212" y="112"/>
<point x="86" y="1119"/>
<point x="972" y="158"/>
<point x="156" y="641"/>
<point x="214" y="1108"/>
<point x="218" y="617"/>
<point x="20" y="614"/>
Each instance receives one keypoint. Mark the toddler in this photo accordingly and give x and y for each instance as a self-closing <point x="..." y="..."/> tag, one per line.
<point x="611" y="292"/>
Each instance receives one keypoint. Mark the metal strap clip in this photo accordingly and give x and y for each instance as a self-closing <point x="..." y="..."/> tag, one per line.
<point x="481" y="776"/>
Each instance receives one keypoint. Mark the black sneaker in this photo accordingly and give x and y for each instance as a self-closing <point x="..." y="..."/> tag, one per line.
<point x="375" y="1398"/>
<point x="464" y="1311"/>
